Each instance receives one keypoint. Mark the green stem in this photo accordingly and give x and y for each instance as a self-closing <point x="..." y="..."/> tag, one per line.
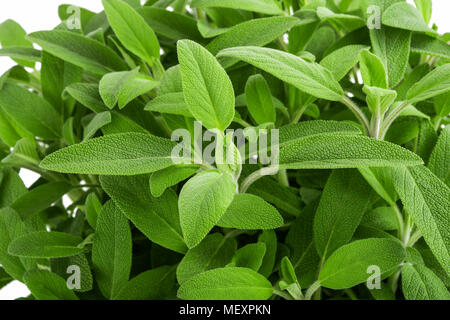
<point x="311" y="290"/>
<point x="283" y="178"/>
<point x="282" y="294"/>
<point x="256" y="176"/>
<point x="298" y="114"/>
<point x="391" y="118"/>
<point x="357" y="112"/>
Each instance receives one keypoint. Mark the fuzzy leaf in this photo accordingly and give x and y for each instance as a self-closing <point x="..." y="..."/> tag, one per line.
<point x="45" y="245"/>
<point x="132" y="30"/>
<point x="226" y="284"/>
<point x="45" y="285"/>
<point x="306" y="76"/>
<point x="156" y="218"/>
<point x="261" y="6"/>
<point x="207" y="89"/>
<point x="347" y="266"/>
<point x="203" y="201"/>
<point x="434" y="83"/>
<point x="111" y="250"/>
<point x="330" y="151"/>
<point x="250" y="212"/>
<point x="420" y="283"/>
<point x="114" y="154"/>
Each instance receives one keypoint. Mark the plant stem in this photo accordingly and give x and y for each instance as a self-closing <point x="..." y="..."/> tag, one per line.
<point x="256" y="176"/>
<point x="357" y="112"/>
<point x="311" y="290"/>
<point x="282" y="294"/>
<point x="391" y="118"/>
<point x="283" y="178"/>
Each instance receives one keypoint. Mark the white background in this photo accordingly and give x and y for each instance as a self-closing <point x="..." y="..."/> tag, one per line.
<point x="35" y="15"/>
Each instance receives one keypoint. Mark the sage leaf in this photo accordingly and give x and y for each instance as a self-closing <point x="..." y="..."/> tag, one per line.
<point x="347" y="266"/>
<point x="111" y="250"/>
<point x="207" y="89"/>
<point x="203" y="201"/>
<point x="226" y="283"/>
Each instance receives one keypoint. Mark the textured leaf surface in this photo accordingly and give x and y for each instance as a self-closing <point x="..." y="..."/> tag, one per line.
<point x="30" y="111"/>
<point x="329" y="151"/>
<point x="207" y="89"/>
<point x="427" y="199"/>
<point x="262" y="6"/>
<point x="78" y="50"/>
<point x="45" y="245"/>
<point x="156" y="218"/>
<point x="439" y="162"/>
<point x="45" y="285"/>
<point x="248" y="211"/>
<point x="215" y="251"/>
<point x="111" y="250"/>
<point x="342" y="205"/>
<point x="115" y="154"/>
<point x="348" y="265"/>
<point x="306" y="76"/>
<point x="132" y="30"/>
<point x="420" y="283"/>
<point x="226" y="284"/>
<point x="203" y="201"/>
<point x="433" y="84"/>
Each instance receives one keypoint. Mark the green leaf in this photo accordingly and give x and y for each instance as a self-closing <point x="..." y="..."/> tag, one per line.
<point x="81" y="51"/>
<point x="300" y="240"/>
<point x="166" y="178"/>
<point x="256" y="32"/>
<point x="45" y="285"/>
<point x="88" y="95"/>
<point x="114" y="154"/>
<point x="380" y="180"/>
<point x="402" y="15"/>
<point x="293" y="132"/>
<point x="92" y="208"/>
<point x="344" y="201"/>
<point x="97" y="122"/>
<point x="11" y="227"/>
<point x="345" y="21"/>
<point x="372" y="70"/>
<point x="330" y="151"/>
<point x="132" y="30"/>
<point x="155" y="284"/>
<point x="425" y="7"/>
<point x="11" y="187"/>
<point x="123" y="87"/>
<point x="250" y="256"/>
<point x="383" y="218"/>
<point x="442" y="104"/>
<point x="261" y="6"/>
<point x="171" y="103"/>
<point x="62" y="266"/>
<point x="434" y="83"/>
<point x="156" y="218"/>
<point x="420" y="283"/>
<point x="379" y="100"/>
<point x="422" y="43"/>
<point x="203" y="201"/>
<point x="392" y="46"/>
<point x="439" y="162"/>
<point x="269" y="238"/>
<point x="40" y="198"/>
<point x="250" y="212"/>
<point x="111" y="250"/>
<point x="30" y="111"/>
<point x="28" y="55"/>
<point x="259" y="100"/>
<point x="427" y="199"/>
<point x="24" y="153"/>
<point x="226" y="284"/>
<point x="306" y="76"/>
<point x="215" y="251"/>
<point x="56" y="75"/>
<point x="207" y="89"/>
<point x="348" y="266"/>
<point x="44" y="244"/>
<point x="172" y="25"/>
<point x="13" y="35"/>
<point x="342" y="60"/>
